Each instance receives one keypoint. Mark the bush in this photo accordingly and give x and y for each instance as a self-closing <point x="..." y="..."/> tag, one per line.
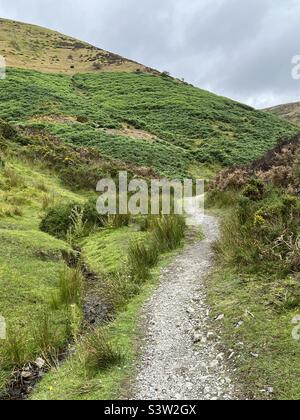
<point x="7" y="131"/>
<point x="59" y="220"/>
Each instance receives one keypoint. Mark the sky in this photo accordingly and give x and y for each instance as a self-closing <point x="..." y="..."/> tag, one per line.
<point x="239" y="49"/>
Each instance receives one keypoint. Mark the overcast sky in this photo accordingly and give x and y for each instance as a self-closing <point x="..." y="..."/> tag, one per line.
<point x="237" y="48"/>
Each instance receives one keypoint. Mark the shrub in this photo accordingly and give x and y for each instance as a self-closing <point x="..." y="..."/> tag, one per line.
<point x="90" y="214"/>
<point x="57" y="220"/>
<point x="254" y="190"/>
<point x="7" y="131"/>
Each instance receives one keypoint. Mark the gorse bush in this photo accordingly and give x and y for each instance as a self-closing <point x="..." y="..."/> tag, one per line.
<point x="57" y="220"/>
<point x="266" y="226"/>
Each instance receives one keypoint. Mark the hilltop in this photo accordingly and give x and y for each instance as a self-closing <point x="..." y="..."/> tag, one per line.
<point x="32" y="47"/>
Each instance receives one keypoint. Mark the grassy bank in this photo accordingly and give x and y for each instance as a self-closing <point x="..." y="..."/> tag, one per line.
<point x="31" y="263"/>
<point x="256" y="287"/>
<point x="105" y="358"/>
<point x="72" y="381"/>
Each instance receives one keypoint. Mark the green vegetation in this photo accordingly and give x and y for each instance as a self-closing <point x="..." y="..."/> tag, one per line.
<point x="30" y="265"/>
<point x="256" y="285"/>
<point x="30" y="46"/>
<point x="41" y="297"/>
<point x="189" y="125"/>
<point x="73" y="381"/>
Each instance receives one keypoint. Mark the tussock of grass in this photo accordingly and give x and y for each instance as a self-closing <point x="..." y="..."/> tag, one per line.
<point x="98" y="353"/>
<point x="192" y="126"/>
<point x="142" y="256"/>
<point x="71" y="287"/>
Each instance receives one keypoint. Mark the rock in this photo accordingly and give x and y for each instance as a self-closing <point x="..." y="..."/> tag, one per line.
<point x="220" y="317"/>
<point x="239" y="324"/>
<point x="26" y="374"/>
<point x="255" y="355"/>
<point x="40" y="363"/>
<point x="197" y="338"/>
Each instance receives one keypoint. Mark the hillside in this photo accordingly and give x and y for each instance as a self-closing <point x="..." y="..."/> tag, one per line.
<point x="72" y="283"/>
<point x="290" y="112"/>
<point x="146" y="119"/>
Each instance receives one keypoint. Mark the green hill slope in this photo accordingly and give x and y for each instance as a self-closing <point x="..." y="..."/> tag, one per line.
<point x="148" y="120"/>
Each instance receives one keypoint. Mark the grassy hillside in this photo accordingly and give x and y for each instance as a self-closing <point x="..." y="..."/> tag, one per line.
<point x="256" y="284"/>
<point x="52" y="243"/>
<point x="141" y="119"/>
<point x="32" y="47"/>
<point x="289" y="112"/>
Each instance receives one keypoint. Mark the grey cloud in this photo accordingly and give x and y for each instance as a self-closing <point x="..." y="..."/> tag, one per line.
<point x="240" y="49"/>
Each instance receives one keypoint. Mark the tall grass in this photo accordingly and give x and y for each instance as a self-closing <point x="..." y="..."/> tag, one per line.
<point x="13" y="350"/>
<point x="98" y="353"/>
<point x="142" y="255"/>
<point x="14" y="179"/>
<point x="46" y="335"/>
<point x="166" y="234"/>
<point x="70" y="288"/>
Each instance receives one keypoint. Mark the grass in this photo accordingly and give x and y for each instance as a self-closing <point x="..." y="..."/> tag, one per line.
<point x="108" y="356"/>
<point x="99" y="354"/>
<point x="30" y="265"/>
<point x="191" y="126"/>
<point x="71" y="287"/>
<point x="256" y="287"/>
<point x="38" y="48"/>
<point x="71" y="380"/>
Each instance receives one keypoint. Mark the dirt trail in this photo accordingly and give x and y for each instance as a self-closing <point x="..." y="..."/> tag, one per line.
<point x="181" y="360"/>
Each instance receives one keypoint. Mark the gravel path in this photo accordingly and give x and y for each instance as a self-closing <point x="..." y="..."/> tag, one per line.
<point x="180" y="358"/>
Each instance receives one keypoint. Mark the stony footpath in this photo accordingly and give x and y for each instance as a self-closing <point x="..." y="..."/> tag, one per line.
<point x="181" y="359"/>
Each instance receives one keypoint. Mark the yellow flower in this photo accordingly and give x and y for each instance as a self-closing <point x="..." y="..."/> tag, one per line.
<point x="259" y="220"/>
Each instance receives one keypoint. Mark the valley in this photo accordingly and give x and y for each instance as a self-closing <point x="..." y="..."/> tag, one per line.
<point x="84" y="295"/>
